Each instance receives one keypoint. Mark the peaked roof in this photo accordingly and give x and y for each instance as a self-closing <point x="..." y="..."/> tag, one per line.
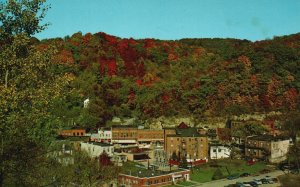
<point x="182" y="125"/>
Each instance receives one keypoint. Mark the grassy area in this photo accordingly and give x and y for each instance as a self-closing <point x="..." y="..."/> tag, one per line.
<point x="289" y="180"/>
<point x="186" y="183"/>
<point x="205" y="172"/>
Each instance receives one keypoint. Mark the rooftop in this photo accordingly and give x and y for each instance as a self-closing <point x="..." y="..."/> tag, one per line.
<point x="267" y="137"/>
<point x="138" y="170"/>
<point x="99" y="144"/>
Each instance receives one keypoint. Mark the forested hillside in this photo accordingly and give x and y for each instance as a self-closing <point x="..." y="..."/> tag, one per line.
<point x="149" y="78"/>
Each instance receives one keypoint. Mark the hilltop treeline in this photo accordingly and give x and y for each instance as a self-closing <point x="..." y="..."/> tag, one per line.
<point x="149" y="78"/>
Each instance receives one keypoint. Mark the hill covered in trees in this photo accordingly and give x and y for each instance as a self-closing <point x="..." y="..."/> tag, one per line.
<point x="148" y="78"/>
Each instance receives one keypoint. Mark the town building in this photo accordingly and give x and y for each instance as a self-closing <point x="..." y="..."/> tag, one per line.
<point x="150" y="178"/>
<point x="185" y="142"/>
<point x="219" y="151"/>
<point x="95" y="149"/>
<point x="148" y="136"/>
<point x="124" y="134"/>
<point x="105" y="135"/>
<point x="135" y="135"/>
<point x="72" y="132"/>
<point x="267" y="147"/>
<point x="119" y="159"/>
<point x="159" y="157"/>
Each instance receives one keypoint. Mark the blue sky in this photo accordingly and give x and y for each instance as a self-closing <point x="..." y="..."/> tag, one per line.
<point x="174" y="19"/>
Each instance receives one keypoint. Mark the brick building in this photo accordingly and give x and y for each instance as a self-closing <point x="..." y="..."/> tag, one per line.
<point x="151" y="178"/>
<point x="124" y="134"/>
<point x="131" y="135"/>
<point x="186" y="142"/>
<point x="72" y="132"/>
<point x="267" y="147"/>
<point x="150" y="135"/>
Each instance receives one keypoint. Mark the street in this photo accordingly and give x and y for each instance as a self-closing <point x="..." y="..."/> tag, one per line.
<point x="224" y="182"/>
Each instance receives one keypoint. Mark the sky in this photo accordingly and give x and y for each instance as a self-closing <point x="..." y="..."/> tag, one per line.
<point x="174" y="19"/>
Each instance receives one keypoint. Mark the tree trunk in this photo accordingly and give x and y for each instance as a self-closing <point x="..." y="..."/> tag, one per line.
<point x="6" y="78"/>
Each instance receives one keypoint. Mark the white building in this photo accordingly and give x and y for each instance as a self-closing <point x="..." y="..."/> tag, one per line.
<point x="86" y="103"/>
<point x="95" y="149"/>
<point x="218" y="151"/>
<point x="105" y="135"/>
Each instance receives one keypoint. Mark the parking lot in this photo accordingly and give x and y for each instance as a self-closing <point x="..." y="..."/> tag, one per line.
<point x="225" y="182"/>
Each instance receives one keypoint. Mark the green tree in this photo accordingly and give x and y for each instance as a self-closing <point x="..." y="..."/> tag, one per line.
<point x="218" y="174"/>
<point x="28" y="85"/>
<point x="26" y="99"/>
<point x="291" y="125"/>
<point x="21" y="17"/>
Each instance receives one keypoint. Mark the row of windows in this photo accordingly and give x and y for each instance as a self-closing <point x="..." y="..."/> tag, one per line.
<point x="73" y="134"/>
<point x="105" y="135"/>
<point x="190" y="139"/>
<point x="158" y="181"/>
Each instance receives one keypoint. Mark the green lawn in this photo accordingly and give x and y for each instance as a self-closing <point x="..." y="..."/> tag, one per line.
<point x="186" y="183"/>
<point x="205" y="172"/>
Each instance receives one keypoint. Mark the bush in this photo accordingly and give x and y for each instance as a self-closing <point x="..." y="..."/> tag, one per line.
<point x="218" y="174"/>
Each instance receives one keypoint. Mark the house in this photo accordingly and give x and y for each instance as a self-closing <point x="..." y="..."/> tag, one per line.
<point x="86" y="103"/>
<point x="152" y="178"/>
<point x="185" y="142"/>
<point x="218" y="151"/>
<point x="95" y="149"/>
<point x="267" y="147"/>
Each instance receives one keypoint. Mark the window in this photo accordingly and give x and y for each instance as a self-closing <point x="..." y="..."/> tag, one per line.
<point x="219" y="150"/>
<point x="77" y="133"/>
<point x="189" y="139"/>
<point x="214" y="150"/>
<point x="82" y="134"/>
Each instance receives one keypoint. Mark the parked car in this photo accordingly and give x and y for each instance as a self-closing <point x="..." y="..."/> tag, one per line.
<point x="252" y="183"/>
<point x="233" y="176"/>
<point x="246" y="184"/>
<point x="245" y="174"/>
<point x="270" y="181"/>
<point x="264" y="181"/>
<point x="239" y="184"/>
<point x="258" y="182"/>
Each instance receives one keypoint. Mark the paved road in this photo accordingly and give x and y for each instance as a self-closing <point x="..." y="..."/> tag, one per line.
<point x="223" y="182"/>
